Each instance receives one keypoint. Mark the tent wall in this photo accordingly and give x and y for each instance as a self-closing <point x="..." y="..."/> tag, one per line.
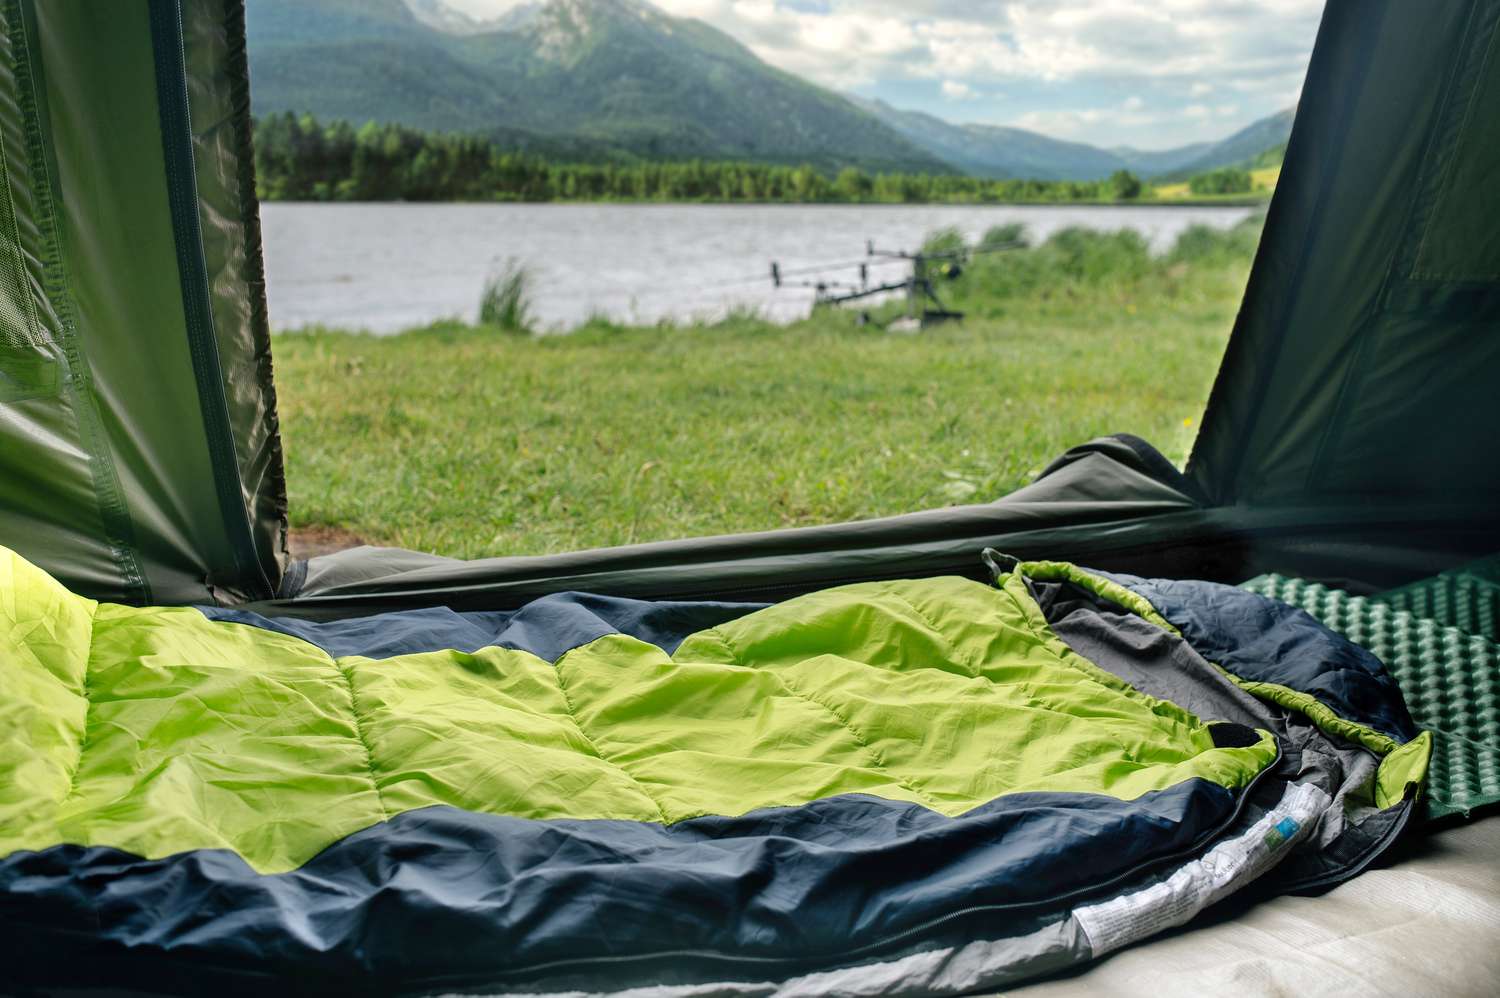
<point x="1365" y="364"/>
<point x="138" y="453"/>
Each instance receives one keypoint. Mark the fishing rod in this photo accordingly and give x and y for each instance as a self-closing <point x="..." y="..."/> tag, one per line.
<point x="923" y="304"/>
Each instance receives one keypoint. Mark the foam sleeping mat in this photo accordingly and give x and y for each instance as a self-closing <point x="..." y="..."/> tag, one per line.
<point x="1438" y="638"/>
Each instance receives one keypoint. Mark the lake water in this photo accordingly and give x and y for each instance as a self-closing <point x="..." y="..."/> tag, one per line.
<point x="386" y="267"/>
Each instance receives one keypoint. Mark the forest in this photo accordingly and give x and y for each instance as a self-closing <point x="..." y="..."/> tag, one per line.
<point x="299" y="158"/>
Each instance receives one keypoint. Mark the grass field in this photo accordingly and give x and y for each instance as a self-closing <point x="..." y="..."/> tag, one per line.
<point x="1262" y="182"/>
<point x="471" y="442"/>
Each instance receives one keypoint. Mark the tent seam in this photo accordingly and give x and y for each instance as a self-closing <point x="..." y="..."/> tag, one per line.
<point x="88" y="709"/>
<point x="1443" y="182"/>
<point x="109" y="502"/>
<point x="359" y="732"/>
<point x="562" y="690"/>
<point x="880" y="763"/>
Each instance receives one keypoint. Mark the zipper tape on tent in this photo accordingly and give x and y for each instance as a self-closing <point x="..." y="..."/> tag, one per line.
<point x="182" y="192"/>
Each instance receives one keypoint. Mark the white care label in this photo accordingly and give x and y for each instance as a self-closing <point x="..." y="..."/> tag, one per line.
<point x="1226" y="867"/>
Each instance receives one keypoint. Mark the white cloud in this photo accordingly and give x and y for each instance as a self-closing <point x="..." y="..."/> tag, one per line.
<point x="1057" y="53"/>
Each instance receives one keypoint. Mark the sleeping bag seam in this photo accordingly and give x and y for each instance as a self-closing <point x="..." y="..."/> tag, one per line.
<point x="1324" y="718"/>
<point x="588" y="739"/>
<point x="873" y="948"/>
<point x="1033" y="697"/>
<point x="1163" y="709"/>
<point x="969" y="661"/>
<point x="88" y="709"/>
<point x="359" y="732"/>
<point x="860" y="740"/>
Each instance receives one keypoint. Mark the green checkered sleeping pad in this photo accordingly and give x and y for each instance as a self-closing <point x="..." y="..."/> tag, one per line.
<point x="1438" y="637"/>
<point x="1467" y="598"/>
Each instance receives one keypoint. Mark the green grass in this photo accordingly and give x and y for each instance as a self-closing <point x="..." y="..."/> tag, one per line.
<point x="505" y="302"/>
<point x="469" y="442"/>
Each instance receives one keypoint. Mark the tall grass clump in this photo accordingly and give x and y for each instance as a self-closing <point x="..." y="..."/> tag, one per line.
<point x="1207" y="244"/>
<point x="944" y="241"/>
<point x="505" y="302"/>
<point x="1011" y="234"/>
<point x="1081" y="264"/>
<point x="1088" y="256"/>
<point x="1071" y="258"/>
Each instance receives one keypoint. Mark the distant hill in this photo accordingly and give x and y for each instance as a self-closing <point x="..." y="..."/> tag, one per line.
<point x="999" y="152"/>
<point x="596" y="76"/>
<point x="996" y="151"/>
<point x="1260" y="143"/>
<point x="1151" y="163"/>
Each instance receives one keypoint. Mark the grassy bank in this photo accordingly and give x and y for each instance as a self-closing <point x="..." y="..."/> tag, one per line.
<point x="469" y="441"/>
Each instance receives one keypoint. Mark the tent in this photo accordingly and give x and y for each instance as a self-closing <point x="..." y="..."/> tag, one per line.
<point x="1348" y="436"/>
<point x="1346" y="439"/>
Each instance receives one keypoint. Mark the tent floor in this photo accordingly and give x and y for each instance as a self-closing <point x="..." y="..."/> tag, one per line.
<point x="1424" y="923"/>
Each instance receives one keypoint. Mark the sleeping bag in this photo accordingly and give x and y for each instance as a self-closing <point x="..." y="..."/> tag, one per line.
<point x="923" y="786"/>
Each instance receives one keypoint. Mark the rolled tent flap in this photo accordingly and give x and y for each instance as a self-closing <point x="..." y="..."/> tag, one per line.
<point x="139" y="459"/>
<point x="1108" y="495"/>
<point x="1113" y="502"/>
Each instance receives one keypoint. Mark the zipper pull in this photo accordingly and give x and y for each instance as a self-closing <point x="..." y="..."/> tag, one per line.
<point x="999" y="564"/>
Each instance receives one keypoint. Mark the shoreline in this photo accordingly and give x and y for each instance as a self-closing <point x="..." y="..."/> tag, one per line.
<point x="1207" y="202"/>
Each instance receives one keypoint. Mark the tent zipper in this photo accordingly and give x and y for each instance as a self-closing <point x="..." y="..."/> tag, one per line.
<point x="182" y="193"/>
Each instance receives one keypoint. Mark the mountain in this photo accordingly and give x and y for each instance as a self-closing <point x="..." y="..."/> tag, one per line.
<point x="605" y="77"/>
<point x="1151" y="162"/>
<point x="1253" y="145"/>
<point x="997" y="151"/>
<point x="1000" y="152"/>
<point x="595" y="79"/>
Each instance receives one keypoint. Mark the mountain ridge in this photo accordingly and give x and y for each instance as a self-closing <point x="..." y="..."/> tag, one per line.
<point x="1005" y="152"/>
<point x="621" y="78"/>
<point x="619" y="75"/>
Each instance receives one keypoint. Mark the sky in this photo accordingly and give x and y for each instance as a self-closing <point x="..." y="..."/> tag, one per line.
<point x="1146" y="73"/>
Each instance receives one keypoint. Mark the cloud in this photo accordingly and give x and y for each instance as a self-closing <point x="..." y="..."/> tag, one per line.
<point x="1061" y="57"/>
<point x="959" y="90"/>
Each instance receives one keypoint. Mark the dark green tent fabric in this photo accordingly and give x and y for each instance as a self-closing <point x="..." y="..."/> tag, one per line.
<point x="1364" y="366"/>
<point x="138" y="450"/>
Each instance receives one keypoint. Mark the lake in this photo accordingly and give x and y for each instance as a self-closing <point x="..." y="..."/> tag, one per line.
<point x="386" y="267"/>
